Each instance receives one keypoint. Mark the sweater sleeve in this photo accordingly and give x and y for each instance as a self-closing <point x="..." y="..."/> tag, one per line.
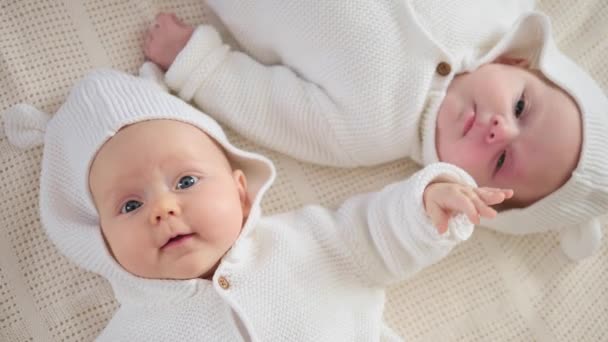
<point x="389" y="233"/>
<point x="270" y="105"/>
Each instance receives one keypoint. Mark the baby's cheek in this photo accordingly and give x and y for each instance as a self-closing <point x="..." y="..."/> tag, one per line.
<point x="467" y="158"/>
<point x="218" y="220"/>
<point x="448" y="112"/>
<point x="127" y="250"/>
<point x="107" y="244"/>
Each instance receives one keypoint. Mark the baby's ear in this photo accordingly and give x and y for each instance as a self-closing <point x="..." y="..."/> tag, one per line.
<point x="514" y="61"/>
<point x="241" y="181"/>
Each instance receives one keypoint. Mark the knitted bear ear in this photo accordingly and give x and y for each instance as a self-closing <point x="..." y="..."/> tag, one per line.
<point x="581" y="241"/>
<point x="152" y="72"/>
<point x="25" y="125"/>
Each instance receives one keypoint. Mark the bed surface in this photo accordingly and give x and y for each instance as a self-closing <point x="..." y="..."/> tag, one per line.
<point x="492" y="288"/>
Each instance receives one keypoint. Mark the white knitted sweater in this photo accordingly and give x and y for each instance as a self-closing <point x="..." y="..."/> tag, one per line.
<point x="308" y="275"/>
<point x="335" y="82"/>
<point x="345" y="83"/>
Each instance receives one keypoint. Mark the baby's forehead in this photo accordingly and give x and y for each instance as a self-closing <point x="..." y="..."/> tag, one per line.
<point x="163" y="132"/>
<point x="153" y="140"/>
<point x="161" y="124"/>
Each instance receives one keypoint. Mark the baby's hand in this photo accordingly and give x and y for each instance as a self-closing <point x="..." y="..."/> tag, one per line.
<point x="165" y="38"/>
<point x="442" y="200"/>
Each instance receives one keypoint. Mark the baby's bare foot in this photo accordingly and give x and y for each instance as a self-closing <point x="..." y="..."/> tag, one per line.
<point x="165" y="38"/>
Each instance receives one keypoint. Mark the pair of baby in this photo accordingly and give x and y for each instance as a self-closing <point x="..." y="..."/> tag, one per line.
<point x="147" y="191"/>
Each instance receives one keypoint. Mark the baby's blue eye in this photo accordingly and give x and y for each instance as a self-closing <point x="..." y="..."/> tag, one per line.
<point x="520" y="106"/>
<point x="501" y="160"/>
<point x="186" y="182"/>
<point x="130" y="206"/>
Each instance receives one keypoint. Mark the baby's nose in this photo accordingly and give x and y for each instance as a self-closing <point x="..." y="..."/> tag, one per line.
<point x="500" y="130"/>
<point x="164" y="208"/>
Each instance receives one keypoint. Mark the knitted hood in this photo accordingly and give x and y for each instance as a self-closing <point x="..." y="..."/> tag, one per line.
<point x="96" y="108"/>
<point x="574" y="208"/>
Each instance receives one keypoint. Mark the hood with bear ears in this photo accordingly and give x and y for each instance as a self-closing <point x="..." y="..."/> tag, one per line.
<point x="97" y="107"/>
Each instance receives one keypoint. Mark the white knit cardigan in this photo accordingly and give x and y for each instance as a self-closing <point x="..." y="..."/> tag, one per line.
<point x="345" y="83"/>
<point x="335" y="82"/>
<point x="308" y="275"/>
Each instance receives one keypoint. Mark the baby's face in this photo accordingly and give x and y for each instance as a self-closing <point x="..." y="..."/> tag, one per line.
<point x="170" y="206"/>
<point x="510" y="128"/>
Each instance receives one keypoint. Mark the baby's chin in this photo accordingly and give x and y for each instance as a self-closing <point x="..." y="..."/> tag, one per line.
<point x="447" y="127"/>
<point x="178" y="271"/>
<point x="449" y="150"/>
<point x="185" y="273"/>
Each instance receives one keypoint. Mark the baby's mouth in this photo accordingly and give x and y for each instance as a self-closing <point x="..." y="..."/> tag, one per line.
<point x="177" y="240"/>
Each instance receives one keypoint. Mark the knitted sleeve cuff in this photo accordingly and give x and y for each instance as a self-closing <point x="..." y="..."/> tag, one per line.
<point x="201" y="55"/>
<point x="459" y="226"/>
<point x="413" y="241"/>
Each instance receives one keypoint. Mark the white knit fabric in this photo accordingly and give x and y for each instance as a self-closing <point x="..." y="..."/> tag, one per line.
<point x="309" y="275"/>
<point x="494" y="287"/>
<point x="345" y="85"/>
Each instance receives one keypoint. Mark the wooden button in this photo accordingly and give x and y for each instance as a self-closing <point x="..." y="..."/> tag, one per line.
<point x="223" y="282"/>
<point x="443" y="69"/>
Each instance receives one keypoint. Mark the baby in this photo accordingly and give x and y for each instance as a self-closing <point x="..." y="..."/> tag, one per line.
<point x="479" y="84"/>
<point x="147" y="191"/>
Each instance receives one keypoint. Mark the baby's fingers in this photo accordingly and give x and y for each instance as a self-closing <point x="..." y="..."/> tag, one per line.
<point x="480" y="205"/>
<point x="466" y="203"/>
<point x="439" y="218"/>
<point x="492" y="196"/>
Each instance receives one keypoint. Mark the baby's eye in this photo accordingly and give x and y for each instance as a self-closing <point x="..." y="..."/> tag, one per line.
<point x="520" y="106"/>
<point x="501" y="160"/>
<point x="186" y="182"/>
<point x="130" y="206"/>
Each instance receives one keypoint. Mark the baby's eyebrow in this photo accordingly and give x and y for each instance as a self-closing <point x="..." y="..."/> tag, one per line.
<point x="116" y="190"/>
<point x="111" y="195"/>
<point x="183" y="163"/>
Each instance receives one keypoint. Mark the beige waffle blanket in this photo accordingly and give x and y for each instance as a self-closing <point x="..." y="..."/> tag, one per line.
<point x="492" y="288"/>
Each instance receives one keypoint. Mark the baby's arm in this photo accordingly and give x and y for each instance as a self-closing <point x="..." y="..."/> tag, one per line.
<point x="270" y="105"/>
<point x="445" y="198"/>
<point x="404" y="228"/>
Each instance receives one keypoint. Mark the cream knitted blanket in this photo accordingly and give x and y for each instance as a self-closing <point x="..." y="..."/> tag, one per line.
<point x="505" y="288"/>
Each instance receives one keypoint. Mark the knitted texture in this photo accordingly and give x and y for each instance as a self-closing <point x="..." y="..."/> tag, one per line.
<point x="96" y="108"/>
<point x="351" y="255"/>
<point x="494" y="287"/>
<point x="330" y="90"/>
<point x="306" y="275"/>
<point x="345" y="94"/>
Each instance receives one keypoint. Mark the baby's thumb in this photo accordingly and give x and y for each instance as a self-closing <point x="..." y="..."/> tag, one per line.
<point x="439" y="217"/>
